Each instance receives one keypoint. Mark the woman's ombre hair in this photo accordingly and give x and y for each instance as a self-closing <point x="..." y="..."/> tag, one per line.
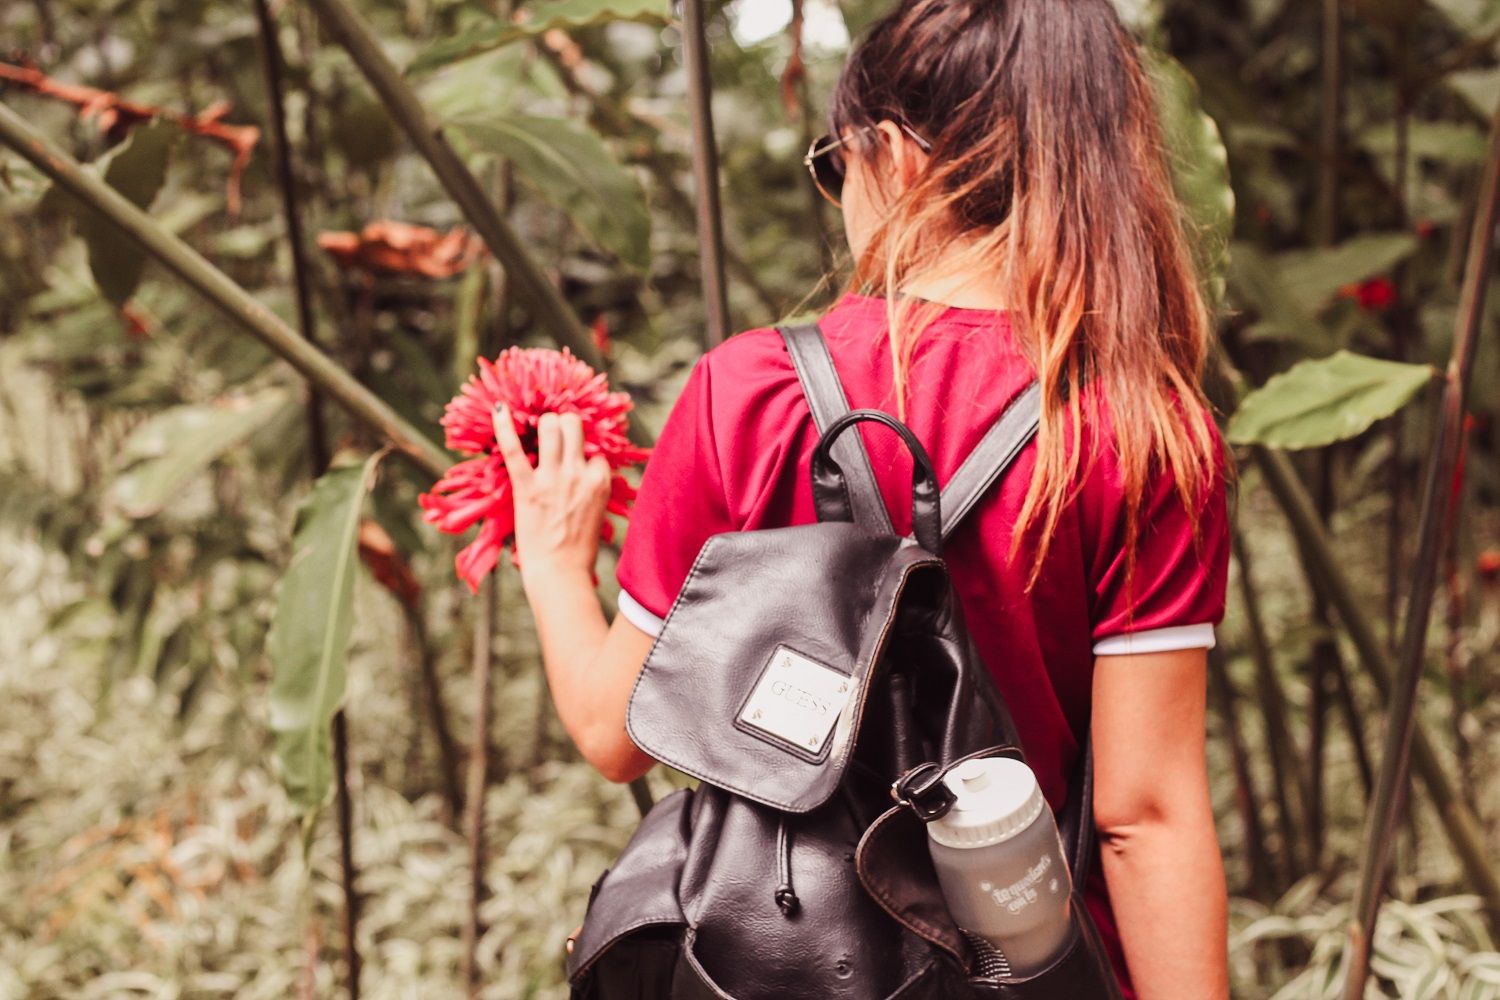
<point x="1048" y="170"/>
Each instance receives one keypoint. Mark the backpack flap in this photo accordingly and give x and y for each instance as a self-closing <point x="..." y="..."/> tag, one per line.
<point x="760" y="677"/>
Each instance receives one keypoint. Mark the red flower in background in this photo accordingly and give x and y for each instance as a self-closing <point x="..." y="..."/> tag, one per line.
<point x="1373" y="295"/>
<point x="531" y="381"/>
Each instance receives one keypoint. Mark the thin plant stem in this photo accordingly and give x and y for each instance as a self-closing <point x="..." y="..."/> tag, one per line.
<point x="483" y="667"/>
<point x="1262" y="878"/>
<point x="1285" y="773"/>
<point x="286" y="181"/>
<point x="347" y="872"/>
<point x="437" y="712"/>
<point x="705" y="172"/>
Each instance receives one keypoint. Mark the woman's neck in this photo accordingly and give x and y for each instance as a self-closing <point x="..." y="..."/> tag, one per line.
<point x="958" y="285"/>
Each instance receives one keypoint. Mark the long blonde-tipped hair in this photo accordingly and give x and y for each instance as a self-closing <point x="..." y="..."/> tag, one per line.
<point x="1047" y="169"/>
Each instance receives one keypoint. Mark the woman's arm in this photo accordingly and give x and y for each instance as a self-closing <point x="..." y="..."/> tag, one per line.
<point x="591" y="665"/>
<point x="1158" y="845"/>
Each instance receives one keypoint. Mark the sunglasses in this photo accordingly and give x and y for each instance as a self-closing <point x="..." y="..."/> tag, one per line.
<point x="827" y="167"/>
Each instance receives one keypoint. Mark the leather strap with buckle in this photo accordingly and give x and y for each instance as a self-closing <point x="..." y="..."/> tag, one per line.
<point x="923" y="790"/>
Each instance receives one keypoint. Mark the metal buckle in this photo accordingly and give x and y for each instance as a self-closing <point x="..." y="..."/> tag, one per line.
<point x="923" y="790"/>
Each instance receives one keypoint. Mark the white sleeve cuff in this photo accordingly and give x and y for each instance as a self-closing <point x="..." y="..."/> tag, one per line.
<point x="637" y="614"/>
<point x="1156" y="640"/>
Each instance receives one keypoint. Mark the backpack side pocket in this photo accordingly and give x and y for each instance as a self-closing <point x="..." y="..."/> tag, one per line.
<point x="633" y="923"/>
<point x="1082" y="970"/>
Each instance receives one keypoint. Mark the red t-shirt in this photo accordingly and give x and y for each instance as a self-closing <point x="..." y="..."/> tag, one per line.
<point x="734" y="456"/>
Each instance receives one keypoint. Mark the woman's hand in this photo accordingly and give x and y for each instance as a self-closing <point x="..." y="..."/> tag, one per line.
<point x="591" y="668"/>
<point x="560" y="502"/>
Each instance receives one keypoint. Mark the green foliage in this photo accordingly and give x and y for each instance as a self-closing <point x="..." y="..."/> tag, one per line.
<point x="176" y="444"/>
<point x="1313" y="277"/>
<point x="1437" y="949"/>
<point x="540" y="18"/>
<point x="309" y="637"/>
<point x="571" y="167"/>
<point x="1200" y="167"/>
<point x="1330" y="399"/>
<point x="136" y="168"/>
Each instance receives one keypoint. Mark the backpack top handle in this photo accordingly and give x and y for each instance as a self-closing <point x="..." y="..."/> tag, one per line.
<point x="1001" y="444"/>
<point x="831" y="490"/>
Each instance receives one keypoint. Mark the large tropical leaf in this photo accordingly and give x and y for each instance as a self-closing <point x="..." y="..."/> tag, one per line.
<point x="1314" y="276"/>
<point x="1200" y="167"/>
<point x="572" y="168"/>
<point x="309" y="637"/>
<point x="1329" y="399"/>
<point x="163" y="453"/>
<point x="541" y="17"/>
<point x="136" y="168"/>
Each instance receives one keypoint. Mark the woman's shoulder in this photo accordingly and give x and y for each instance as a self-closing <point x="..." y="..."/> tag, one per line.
<point x="747" y="364"/>
<point x="757" y="346"/>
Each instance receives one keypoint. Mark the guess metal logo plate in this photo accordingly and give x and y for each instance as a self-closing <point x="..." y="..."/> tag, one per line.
<point x="797" y="700"/>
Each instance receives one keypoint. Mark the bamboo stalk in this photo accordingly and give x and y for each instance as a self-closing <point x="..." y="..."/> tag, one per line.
<point x="531" y="285"/>
<point x="1401" y="721"/>
<point x="705" y="171"/>
<point x="483" y="661"/>
<point x="237" y="304"/>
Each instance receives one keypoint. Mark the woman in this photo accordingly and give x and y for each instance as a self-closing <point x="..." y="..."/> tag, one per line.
<point x="1010" y="216"/>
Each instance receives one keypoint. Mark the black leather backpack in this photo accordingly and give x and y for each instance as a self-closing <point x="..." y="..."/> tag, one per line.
<point x="798" y="868"/>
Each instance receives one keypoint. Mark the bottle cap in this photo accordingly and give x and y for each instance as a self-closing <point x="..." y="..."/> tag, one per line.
<point x="997" y="798"/>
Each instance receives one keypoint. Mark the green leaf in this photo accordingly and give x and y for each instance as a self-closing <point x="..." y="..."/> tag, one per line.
<point x="860" y="14"/>
<point x="1200" y="167"/>
<point x="308" y="642"/>
<point x="136" y="168"/>
<point x="1445" y="142"/>
<point x="1329" y="399"/>
<point x="171" y="447"/>
<point x="541" y="17"/>
<point x="572" y="168"/>
<point x="1257" y="284"/>
<point x="1314" y="276"/>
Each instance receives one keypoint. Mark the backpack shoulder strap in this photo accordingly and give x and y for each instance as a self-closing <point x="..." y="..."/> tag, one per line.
<point x="979" y="471"/>
<point x="990" y="457"/>
<point x="826" y="399"/>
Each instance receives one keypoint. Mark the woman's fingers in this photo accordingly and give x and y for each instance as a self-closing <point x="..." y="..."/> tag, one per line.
<point x="517" y="465"/>
<point x="548" y="441"/>
<point x="572" y="439"/>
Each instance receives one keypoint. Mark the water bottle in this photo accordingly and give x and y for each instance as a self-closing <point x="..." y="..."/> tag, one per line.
<point x="1000" y="862"/>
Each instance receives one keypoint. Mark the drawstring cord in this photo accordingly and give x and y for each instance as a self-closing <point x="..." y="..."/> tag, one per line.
<point x="786" y="897"/>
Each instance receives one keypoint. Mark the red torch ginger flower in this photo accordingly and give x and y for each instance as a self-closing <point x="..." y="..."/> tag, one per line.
<point x="530" y="381"/>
